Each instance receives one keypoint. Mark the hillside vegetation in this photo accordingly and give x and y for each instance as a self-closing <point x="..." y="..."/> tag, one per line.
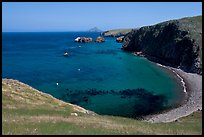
<point x="174" y="42"/>
<point x="116" y="32"/>
<point x="28" y="111"/>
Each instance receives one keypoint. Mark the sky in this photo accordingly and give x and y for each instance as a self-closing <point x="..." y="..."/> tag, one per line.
<point x="82" y="16"/>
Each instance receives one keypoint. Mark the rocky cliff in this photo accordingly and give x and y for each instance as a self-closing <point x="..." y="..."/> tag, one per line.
<point x="177" y="43"/>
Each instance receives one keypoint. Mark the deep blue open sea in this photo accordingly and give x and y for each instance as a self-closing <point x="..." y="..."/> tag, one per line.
<point x="97" y="76"/>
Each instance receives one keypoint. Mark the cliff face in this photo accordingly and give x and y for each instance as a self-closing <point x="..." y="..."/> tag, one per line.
<point x="175" y="42"/>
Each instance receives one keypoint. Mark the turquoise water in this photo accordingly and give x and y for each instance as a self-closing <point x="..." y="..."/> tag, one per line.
<point x="97" y="76"/>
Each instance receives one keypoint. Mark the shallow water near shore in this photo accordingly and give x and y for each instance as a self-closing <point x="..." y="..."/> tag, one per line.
<point x="97" y="76"/>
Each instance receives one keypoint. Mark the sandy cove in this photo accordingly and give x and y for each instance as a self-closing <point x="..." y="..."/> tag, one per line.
<point x="193" y="87"/>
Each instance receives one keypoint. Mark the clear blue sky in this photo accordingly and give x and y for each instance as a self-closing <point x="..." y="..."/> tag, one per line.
<point x="76" y="16"/>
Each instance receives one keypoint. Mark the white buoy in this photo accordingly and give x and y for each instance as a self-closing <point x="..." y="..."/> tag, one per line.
<point x="57" y="83"/>
<point x="65" y="54"/>
<point x="79" y="46"/>
<point x="79" y="69"/>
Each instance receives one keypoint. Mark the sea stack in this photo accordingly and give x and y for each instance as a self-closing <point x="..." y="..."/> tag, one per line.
<point x="100" y="39"/>
<point x="83" y="39"/>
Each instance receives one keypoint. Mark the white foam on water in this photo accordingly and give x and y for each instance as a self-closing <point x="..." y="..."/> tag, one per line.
<point x="181" y="79"/>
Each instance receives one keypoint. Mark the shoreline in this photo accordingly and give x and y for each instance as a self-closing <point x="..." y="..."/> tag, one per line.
<point x="192" y="87"/>
<point x="172" y="70"/>
<point x="75" y="107"/>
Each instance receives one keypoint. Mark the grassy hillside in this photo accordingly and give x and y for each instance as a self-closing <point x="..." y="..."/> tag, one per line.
<point x="116" y="32"/>
<point x="28" y="111"/>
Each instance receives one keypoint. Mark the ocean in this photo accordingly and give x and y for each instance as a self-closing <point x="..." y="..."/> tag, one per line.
<point x="97" y="76"/>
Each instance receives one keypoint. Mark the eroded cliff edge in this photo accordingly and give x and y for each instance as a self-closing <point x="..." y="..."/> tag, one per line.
<point x="177" y="43"/>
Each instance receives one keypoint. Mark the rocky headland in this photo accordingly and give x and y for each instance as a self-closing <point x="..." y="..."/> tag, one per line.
<point x="176" y="43"/>
<point x="177" y="46"/>
<point x="116" y="32"/>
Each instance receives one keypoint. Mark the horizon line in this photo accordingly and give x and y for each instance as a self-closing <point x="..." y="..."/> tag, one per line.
<point x="46" y="31"/>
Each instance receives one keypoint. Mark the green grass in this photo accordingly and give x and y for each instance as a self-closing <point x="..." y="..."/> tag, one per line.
<point x="118" y="31"/>
<point x="54" y="117"/>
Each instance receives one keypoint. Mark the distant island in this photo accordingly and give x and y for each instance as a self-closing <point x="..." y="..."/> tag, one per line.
<point x="95" y="29"/>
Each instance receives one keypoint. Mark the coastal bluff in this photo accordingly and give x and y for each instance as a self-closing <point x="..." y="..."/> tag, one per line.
<point x="176" y="43"/>
<point x="116" y="32"/>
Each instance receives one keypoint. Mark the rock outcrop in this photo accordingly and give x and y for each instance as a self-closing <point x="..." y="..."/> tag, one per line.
<point x="100" y="39"/>
<point x="176" y="43"/>
<point x="83" y="39"/>
<point x="120" y="39"/>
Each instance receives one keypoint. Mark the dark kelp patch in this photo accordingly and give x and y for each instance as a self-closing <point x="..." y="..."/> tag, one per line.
<point x="145" y="102"/>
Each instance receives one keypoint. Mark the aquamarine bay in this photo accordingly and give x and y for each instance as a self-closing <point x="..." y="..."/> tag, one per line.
<point x="97" y="76"/>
